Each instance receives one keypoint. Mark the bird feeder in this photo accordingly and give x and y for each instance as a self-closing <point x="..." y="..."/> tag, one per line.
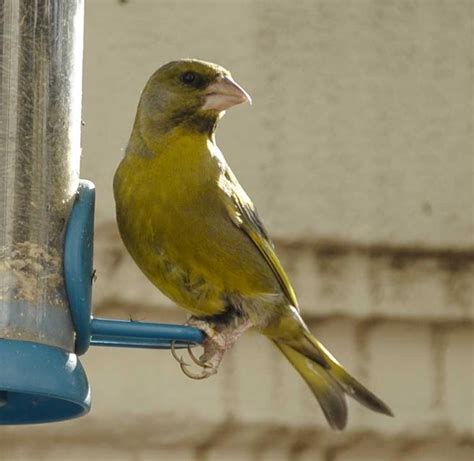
<point x="47" y="220"/>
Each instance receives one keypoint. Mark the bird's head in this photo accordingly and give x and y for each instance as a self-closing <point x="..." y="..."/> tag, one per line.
<point x="190" y="92"/>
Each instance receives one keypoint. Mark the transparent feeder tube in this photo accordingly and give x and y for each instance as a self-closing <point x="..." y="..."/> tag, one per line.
<point x="40" y="121"/>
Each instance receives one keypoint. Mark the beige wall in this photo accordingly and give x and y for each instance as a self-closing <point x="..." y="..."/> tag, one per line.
<point x="358" y="152"/>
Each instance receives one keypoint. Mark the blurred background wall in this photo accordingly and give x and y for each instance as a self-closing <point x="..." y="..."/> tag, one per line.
<point x="358" y="152"/>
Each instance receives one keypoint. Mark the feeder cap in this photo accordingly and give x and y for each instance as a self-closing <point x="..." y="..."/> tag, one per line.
<point x="40" y="384"/>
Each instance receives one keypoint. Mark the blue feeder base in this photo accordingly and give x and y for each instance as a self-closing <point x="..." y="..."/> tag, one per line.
<point x="40" y="384"/>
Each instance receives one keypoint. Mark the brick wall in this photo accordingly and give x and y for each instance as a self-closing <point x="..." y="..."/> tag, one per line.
<point x="358" y="153"/>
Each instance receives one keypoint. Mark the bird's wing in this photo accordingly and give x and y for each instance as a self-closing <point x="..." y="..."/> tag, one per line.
<point x="244" y="215"/>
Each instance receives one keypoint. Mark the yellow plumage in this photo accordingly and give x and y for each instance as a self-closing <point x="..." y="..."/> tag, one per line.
<point x="194" y="232"/>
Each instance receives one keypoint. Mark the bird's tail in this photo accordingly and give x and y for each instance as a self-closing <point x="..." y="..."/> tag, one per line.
<point x="328" y="380"/>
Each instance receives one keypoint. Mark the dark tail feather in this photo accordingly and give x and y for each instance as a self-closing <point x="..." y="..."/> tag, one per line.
<point x="351" y="386"/>
<point x="328" y="381"/>
<point x="325" y="388"/>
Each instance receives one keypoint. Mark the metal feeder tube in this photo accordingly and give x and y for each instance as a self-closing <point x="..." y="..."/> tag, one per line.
<point x="40" y="119"/>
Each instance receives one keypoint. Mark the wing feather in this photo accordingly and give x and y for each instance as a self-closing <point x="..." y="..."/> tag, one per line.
<point x="244" y="215"/>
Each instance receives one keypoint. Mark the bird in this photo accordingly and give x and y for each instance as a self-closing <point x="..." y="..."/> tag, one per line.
<point x="196" y="235"/>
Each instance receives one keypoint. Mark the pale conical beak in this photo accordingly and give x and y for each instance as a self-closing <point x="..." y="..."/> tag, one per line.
<point x="224" y="93"/>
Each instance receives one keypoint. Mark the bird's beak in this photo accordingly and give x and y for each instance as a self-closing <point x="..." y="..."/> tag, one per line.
<point x="224" y="93"/>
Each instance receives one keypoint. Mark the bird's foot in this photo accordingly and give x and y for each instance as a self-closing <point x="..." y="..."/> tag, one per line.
<point x="218" y="341"/>
<point x="214" y="348"/>
<point x="208" y="367"/>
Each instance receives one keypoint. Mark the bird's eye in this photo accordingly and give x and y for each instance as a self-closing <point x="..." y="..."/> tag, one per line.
<point x="188" y="78"/>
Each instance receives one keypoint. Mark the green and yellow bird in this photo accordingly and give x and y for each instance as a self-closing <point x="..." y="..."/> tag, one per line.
<point x="194" y="232"/>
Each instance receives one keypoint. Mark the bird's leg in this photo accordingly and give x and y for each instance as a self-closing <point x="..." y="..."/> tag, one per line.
<point x="220" y="337"/>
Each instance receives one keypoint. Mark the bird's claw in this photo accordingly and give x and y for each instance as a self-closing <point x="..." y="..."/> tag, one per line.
<point x="207" y="369"/>
<point x="197" y="361"/>
<point x="205" y="373"/>
<point x="218" y="340"/>
<point x="179" y="359"/>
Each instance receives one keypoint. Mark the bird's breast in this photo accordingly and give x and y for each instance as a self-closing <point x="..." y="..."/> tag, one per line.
<point x="161" y="209"/>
